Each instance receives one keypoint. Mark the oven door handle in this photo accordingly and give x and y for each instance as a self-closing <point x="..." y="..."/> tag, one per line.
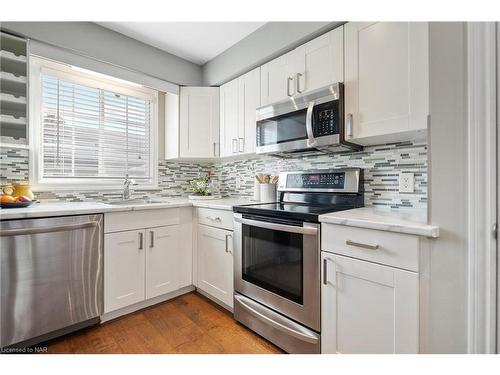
<point x="288" y="327"/>
<point x="311" y="141"/>
<point x="281" y="227"/>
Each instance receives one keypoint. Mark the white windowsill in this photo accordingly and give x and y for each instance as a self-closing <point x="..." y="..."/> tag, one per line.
<point x="90" y="187"/>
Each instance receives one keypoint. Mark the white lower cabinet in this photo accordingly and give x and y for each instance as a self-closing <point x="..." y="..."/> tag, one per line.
<point x="215" y="263"/>
<point x="141" y="264"/>
<point x="367" y="307"/>
<point x="123" y="269"/>
<point x="162" y="261"/>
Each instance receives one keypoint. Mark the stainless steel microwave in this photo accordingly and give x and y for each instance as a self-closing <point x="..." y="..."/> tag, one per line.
<point x="309" y="122"/>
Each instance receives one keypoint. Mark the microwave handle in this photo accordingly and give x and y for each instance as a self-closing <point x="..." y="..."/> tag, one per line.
<point x="311" y="141"/>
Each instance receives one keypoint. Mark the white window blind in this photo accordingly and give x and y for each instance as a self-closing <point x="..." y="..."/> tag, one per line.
<point x="88" y="132"/>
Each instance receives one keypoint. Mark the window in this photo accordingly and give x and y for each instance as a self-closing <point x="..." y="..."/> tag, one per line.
<point x="90" y="130"/>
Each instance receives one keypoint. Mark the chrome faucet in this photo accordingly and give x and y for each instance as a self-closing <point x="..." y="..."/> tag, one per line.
<point x="126" y="187"/>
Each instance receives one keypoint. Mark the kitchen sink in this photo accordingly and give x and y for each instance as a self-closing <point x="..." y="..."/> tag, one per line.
<point x="135" y="201"/>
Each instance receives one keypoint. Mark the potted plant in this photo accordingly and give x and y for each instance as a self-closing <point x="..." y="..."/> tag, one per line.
<point x="203" y="188"/>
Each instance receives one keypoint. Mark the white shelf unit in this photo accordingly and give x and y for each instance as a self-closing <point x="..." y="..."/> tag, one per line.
<point x="12" y="103"/>
<point x="13" y="83"/>
<point x="14" y="146"/>
<point x="13" y="92"/>
<point x="12" y="120"/>
<point x="9" y="55"/>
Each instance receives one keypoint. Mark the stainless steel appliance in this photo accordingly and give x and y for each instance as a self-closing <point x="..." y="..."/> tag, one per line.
<point x="51" y="277"/>
<point x="277" y="256"/>
<point x="308" y="122"/>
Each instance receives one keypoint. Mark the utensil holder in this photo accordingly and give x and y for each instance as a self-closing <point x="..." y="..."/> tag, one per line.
<point x="256" y="191"/>
<point x="268" y="192"/>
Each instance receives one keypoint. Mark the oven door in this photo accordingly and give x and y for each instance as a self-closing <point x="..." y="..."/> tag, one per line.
<point x="277" y="264"/>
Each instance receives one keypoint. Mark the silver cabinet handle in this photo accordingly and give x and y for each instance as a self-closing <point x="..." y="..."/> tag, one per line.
<point x="141" y="240"/>
<point x="348" y="125"/>
<point x="325" y="271"/>
<point x="297" y="84"/>
<point x="59" y="228"/>
<point x="241" y="144"/>
<point x="151" y="239"/>
<point x="214" y="218"/>
<point x="363" y="245"/>
<point x="227" y="243"/>
<point x="288" y="86"/>
<point x="281" y="227"/>
<point x="215" y="148"/>
<point x="234" y="145"/>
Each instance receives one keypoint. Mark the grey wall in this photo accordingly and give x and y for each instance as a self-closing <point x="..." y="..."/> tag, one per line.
<point x="447" y="332"/>
<point x="269" y="41"/>
<point x="109" y="46"/>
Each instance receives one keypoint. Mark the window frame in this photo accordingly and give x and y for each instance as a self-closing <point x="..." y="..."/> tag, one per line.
<point x="39" y="65"/>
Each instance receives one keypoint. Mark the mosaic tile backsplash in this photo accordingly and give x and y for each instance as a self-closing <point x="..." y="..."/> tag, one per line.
<point x="173" y="180"/>
<point x="381" y="165"/>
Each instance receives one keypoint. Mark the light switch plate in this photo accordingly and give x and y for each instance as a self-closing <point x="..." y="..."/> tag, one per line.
<point x="406" y="182"/>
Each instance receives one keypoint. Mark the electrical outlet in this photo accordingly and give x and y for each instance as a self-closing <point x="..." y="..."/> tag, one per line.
<point x="406" y="182"/>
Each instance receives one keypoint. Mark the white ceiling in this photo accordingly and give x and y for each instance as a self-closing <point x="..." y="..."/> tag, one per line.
<point x="198" y="42"/>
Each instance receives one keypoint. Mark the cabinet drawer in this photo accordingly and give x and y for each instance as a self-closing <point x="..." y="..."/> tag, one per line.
<point x="392" y="249"/>
<point x="216" y="218"/>
<point x="129" y="220"/>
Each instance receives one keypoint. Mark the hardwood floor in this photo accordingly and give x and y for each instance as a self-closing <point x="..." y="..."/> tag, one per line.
<point x="187" y="324"/>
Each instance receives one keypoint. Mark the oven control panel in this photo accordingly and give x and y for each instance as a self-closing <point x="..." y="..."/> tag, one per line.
<point x="326" y="180"/>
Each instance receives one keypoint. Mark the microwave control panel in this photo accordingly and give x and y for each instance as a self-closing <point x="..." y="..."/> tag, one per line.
<point x="328" y="180"/>
<point x="326" y="119"/>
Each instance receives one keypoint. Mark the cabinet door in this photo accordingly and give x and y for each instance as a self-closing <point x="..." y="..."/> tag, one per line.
<point x="274" y="81"/>
<point x="124" y="256"/>
<point x="323" y="61"/>
<point x="199" y="122"/>
<point x="162" y="260"/>
<point x="386" y="80"/>
<point x="215" y="263"/>
<point x="249" y="101"/>
<point x="367" y="307"/>
<point x="229" y="118"/>
<point x="295" y="70"/>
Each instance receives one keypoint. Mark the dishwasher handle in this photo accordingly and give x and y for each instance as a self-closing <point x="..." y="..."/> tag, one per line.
<point x="57" y="228"/>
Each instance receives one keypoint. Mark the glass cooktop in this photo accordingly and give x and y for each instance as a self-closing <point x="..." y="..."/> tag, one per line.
<point x="300" y="211"/>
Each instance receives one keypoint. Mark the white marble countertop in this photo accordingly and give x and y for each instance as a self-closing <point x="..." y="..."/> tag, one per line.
<point x="45" y="209"/>
<point x="400" y="220"/>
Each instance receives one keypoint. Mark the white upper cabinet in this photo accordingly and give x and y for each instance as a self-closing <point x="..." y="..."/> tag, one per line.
<point x="229" y="118"/>
<point x="386" y="81"/>
<point x="313" y="65"/>
<point x="323" y="61"/>
<point x="274" y="81"/>
<point x="239" y="100"/>
<point x="196" y="131"/>
<point x="249" y="101"/>
<point x="367" y="308"/>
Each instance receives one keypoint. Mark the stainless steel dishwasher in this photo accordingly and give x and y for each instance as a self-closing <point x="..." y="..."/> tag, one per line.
<point x="51" y="277"/>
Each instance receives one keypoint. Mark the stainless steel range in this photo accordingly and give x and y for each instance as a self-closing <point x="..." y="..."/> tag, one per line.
<point x="277" y="256"/>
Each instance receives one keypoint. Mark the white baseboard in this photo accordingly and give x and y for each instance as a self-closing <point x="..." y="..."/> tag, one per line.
<point x="143" y="304"/>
